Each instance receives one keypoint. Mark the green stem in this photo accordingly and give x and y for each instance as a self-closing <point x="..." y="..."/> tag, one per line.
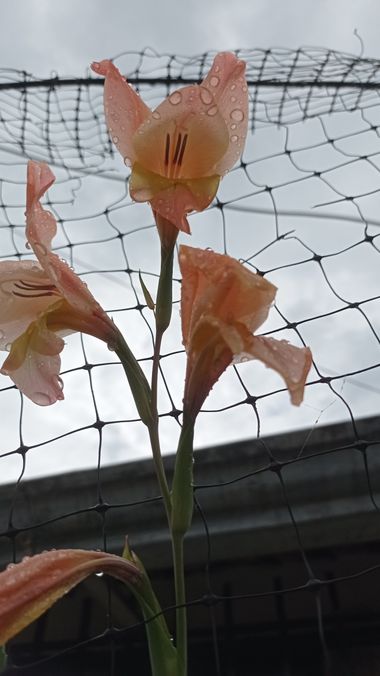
<point x="163" y="316"/>
<point x="180" y="596"/>
<point x="182" y="489"/>
<point x="164" y="299"/>
<point x="182" y="512"/>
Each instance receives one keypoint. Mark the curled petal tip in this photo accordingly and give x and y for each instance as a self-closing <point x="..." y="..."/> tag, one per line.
<point x="106" y="68"/>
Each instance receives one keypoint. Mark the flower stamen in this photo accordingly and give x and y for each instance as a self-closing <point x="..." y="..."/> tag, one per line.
<point x="33" y="290"/>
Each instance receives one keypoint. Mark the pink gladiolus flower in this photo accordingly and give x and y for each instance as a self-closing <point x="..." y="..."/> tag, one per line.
<point x="41" y="301"/>
<point x="29" y="588"/>
<point x="222" y="305"/>
<point x="179" y="151"/>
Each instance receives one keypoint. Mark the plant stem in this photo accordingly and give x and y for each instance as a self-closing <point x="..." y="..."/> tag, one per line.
<point x="153" y="430"/>
<point x="180" y="596"/>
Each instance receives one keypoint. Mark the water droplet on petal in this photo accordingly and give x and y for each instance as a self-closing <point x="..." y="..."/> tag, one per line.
<point x="175" y="98"/>
<point x="127" y="161"/>
<point x="233" y="126"/>
<point x="156" y="115"/>
<point x="233" y="87"/>
<point x="234" y="138"/>
<point x="42" y="398"/>
<point x="212" y="111"/>
<point x="8" y="347"/>
<point x="233" y="99"/>
<point x="214" y="81"/>
<point x="205" y="95"/>
<point x="244" y="88"/>
<point x="237" y="115"/>
<point x="115" y="139"/>
<point x="10" y="566"/>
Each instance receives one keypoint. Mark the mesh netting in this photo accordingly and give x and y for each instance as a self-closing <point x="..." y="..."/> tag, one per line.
<point x="301" y="208"/>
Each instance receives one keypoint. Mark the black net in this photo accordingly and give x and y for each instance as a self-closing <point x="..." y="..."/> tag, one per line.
<point x="301" y="208"/>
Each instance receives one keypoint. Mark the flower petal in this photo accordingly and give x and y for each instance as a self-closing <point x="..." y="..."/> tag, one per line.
<point x="208" y="357"/>
<point x="124" y="109"/>
<point x="29" y="588"/>
<point x="185" y="137"/>
<point x="218" y="285"/>
<point x="34" y="363"/>
<point x="40" y="229"/>
<point x="172" y="200"/>
<point x="25" y="292"/>
<point x="227" y="84"/>
<point x="291" y="362"/>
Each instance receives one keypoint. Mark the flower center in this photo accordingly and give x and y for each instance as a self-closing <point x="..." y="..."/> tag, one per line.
<point x="25" y="289"/>
<point x="175" y="146"/>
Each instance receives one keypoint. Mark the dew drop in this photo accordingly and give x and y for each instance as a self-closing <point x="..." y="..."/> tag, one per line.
<point x="233" y="99"/>
<point x="11" y="565"/>
<point x="205" y="95"/>
<point x="212" y="111"/>
<point x="27" y="246"/>
<point x="233" y="125"/>
<point x="234" y="138"/>
<point x="214" y="81"/>
<point x="8" y="347"/>
<point x="175" y="98"/>
<point x="233" y="87"/>
<point x="127" y="161"/>
<point x="244" y="88"/>
<point x="237" y="115"/>
<point x="156" y="115"/>
<point x="42" y="398"/>
<point x="115" y="139"/>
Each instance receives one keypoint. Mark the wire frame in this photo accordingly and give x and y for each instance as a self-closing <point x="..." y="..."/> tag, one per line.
<point x="300" y="208"/>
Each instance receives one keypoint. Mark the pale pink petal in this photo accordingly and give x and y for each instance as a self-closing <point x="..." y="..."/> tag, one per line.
<point x="40" y="229"/>
<point x="227" y="84"/>
<point x="41" y="178"/>
<point x="217" y="284"/>
<point x="124" y="109"/>
<point x="172" y="200"/>
<point x="185" y="137"/>
<point x="208" y="357"/>
<point x="34" y="364"/>
<point x="292" y="363"/>
<point x="29" y="588"/>
<point x="25" y="292"/>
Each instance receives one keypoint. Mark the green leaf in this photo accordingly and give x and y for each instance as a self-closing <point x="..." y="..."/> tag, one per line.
<point x="148" y="298"/>
<point x="3" y="658"/>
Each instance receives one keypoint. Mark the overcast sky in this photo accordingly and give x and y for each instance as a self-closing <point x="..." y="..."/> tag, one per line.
<point x="46" y="36"/>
